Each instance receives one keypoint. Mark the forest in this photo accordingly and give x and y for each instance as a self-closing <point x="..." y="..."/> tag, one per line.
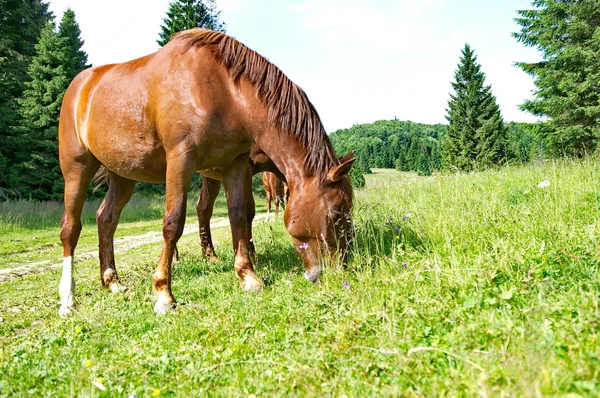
<point x="409" y="146"/>
<point x="39" y="56"/>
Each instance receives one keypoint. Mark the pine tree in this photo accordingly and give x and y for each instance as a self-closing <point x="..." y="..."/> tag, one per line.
<point x="356" y="177"/>
<point x="76" y="58"/>
<point x="187" y="14"/>
<point x="475" y="136"/>
<point x="567" y="33"/>
<point x="58" y="59"/>
<point x="21" y="22"/>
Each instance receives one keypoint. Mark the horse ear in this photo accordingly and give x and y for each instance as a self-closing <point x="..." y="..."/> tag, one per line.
<point x="347" y="156"/>
<point x="337" y="172"/>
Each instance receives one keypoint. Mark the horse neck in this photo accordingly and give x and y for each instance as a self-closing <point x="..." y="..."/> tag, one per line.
<point x="286" y="153"/>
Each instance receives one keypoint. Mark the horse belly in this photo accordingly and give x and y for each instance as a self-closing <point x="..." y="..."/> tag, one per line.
<point x="130" y="155"/>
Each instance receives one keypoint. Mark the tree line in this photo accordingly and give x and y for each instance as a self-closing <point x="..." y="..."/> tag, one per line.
<point x="38" y="59"/>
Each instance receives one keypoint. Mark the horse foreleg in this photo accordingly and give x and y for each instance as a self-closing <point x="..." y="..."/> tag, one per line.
<point x="250" y="214"/>
<point x="238" y="184"/>
<point x="107" y="218"/>
<point x="179" y="175"/>
<point x="78" y="175"/>
<point x="204" y="209"/>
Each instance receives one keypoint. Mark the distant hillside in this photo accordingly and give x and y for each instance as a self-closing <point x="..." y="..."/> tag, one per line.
<point x="403" y="145"/>
<point x="409" y="146"/>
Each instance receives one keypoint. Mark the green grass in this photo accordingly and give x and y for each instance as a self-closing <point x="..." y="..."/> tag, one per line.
<point x="477" y="284"/>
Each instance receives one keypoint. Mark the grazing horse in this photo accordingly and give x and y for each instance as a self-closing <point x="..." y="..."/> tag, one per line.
<point x="197" y="104"/>
<point x="275" y="189"/>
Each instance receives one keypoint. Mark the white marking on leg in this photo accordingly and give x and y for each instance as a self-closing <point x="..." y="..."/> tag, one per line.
<point x="252" y="283"/>
<point x="110" y="276"/>
<point x="66" y="289"/>
<point x="164" y="303"/>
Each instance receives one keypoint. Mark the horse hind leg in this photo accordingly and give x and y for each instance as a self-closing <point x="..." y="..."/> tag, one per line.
<point x="276" y="206"/>
<point x="268" y="204"/>
<point x="204" y="210"/>
<point x="78" y="171"/>
<point x="107" y="217"/>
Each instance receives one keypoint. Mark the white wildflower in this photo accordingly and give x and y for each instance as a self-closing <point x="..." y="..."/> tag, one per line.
<point x="544" y="184"/>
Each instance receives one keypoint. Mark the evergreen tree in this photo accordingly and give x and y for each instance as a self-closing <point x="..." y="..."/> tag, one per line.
<point x="567" y="33"/>
<point x="476" y="135"/>
<point x="58" y="59"/>
<point x="76" y="58"/>
<point x="21" y="22"/>
<point x="356" y="177"/>
<point x="187" y="14"/>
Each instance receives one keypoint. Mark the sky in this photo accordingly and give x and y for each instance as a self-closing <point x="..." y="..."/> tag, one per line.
<point x="358" y="61"/>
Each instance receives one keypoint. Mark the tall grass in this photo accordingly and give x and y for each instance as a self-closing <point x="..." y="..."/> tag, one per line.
<point x="458" y="285"/>
<point x="31" y="215"/>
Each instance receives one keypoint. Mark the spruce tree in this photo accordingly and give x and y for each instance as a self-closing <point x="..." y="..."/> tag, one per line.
<point x="58" y="59"/>
<point x="187" y="14"/>
<point x="76" y="58"/>
<point x="356" y="177"/>
<point x="21" y="22"/>
<point x="567" y="33"/>
<point x="475" y="136"/>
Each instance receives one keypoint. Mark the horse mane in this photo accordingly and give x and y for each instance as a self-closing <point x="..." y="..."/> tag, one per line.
<point x="288" y="106"/>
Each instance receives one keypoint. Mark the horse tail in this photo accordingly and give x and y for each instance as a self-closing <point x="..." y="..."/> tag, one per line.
<point x="102" y="177"/>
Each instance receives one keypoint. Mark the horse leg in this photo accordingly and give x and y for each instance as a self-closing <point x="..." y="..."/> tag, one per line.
<point x="179" y="175"/>
<point x="276" y="206"/>
<point x="238" y="184"/>
<point x="78" y="171"/>
<point x="268" y="204"/>
<point x="204" y="209"/>
<point x="250" y="214"/>
<point x="107" y="218"/>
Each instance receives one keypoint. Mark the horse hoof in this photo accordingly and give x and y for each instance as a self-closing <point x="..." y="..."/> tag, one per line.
<point x="163" y="308"/>
<point x="117" y="287"/>
<point x="64" y="312"/>
<point x="252" y="283"/>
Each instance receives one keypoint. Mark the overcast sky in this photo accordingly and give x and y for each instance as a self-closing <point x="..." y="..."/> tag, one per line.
<point x="358" y="61"/>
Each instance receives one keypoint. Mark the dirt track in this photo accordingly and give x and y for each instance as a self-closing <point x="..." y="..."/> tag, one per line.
<point x="122" y="245"/>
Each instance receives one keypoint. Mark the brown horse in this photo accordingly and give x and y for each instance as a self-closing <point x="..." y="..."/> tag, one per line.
<point x="276" y="190"/>
<point x="196" y="104"/>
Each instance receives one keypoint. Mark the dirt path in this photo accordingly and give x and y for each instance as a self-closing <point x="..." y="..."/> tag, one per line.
<point x="122" y="245"/>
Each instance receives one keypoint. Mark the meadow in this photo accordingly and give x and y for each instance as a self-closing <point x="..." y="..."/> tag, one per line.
<point x="469" y="284"/>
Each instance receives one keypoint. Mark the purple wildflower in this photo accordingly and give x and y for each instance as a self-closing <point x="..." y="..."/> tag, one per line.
<point x="265" y="278"/>
<point x="303" y="246"/>
<point x="404" y="265"/>
<point x="397" y="229"/>
<point x="346" y="285"/>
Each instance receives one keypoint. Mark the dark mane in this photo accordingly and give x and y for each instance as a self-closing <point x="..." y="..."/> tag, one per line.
<point x="288" y="106"/>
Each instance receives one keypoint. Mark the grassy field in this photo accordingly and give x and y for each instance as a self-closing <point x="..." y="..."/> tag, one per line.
<point x="479" y="284"/>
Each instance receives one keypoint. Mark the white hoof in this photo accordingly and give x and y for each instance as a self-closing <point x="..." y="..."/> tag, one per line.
<point x="117" y="287"/>
<point x="164" y="304"/>
<point x="252" y="283"/>
<point x="163" y="308"/>
<point x="64" y="312"/>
